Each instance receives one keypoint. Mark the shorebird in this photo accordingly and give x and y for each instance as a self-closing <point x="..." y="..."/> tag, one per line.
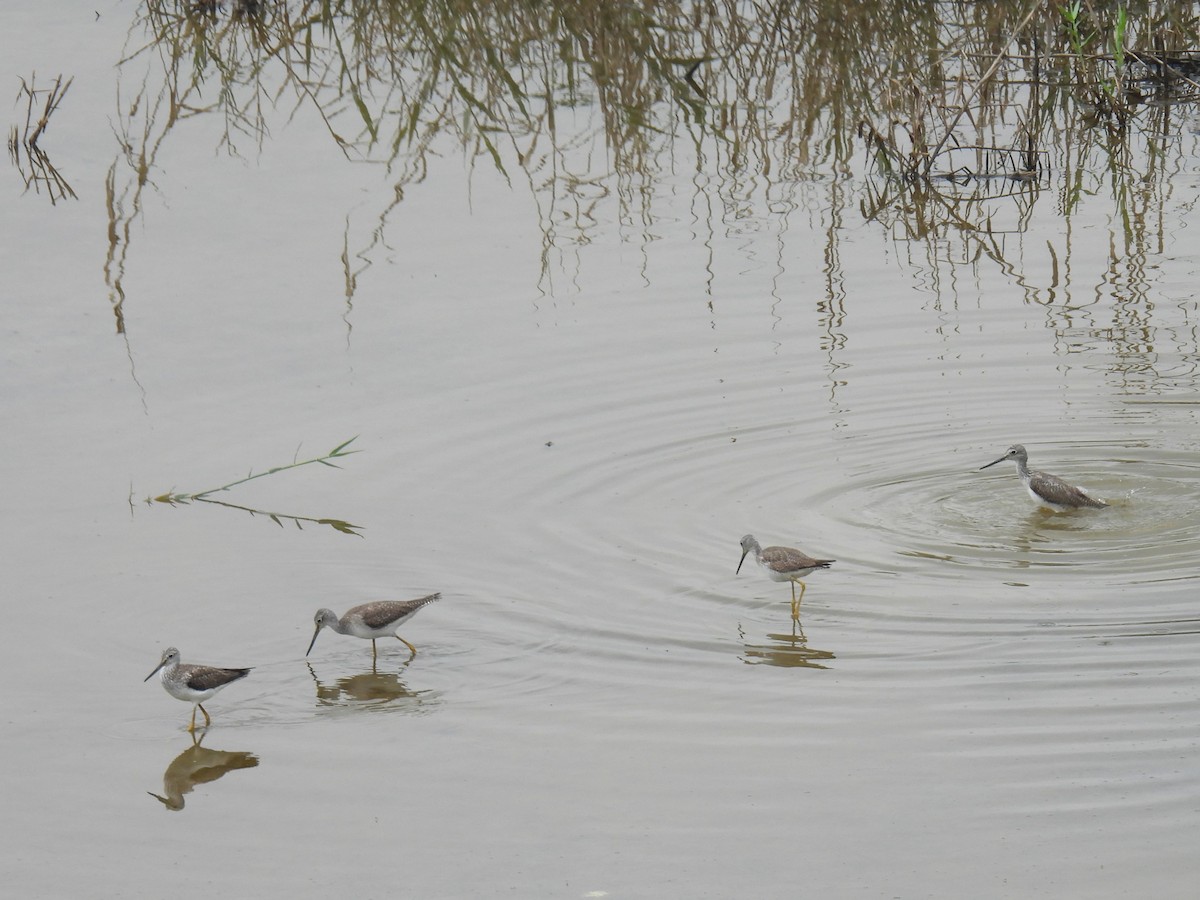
<point x="371" y="620"/>
<point x="193" y="684"/>
<point x="783" y="564"/>
<point x="1044" y="488"/>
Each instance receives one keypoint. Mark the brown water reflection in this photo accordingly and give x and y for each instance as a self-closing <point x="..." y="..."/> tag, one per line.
<point x="970" y="116"/>
<point x="31" y="160"/>
<point x="786" y="650"/>
<point x="372" y="690"/>
<point x="199" y="765"/>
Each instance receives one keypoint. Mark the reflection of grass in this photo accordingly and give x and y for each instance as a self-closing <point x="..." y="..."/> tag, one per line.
<point x="1072" y="15"/>
<point x="965" y="109"/>
<point x="173" y="498"/>
<point x="1100" y="78"/>
<point x="778" y="87"/>
<point x="34" y="165"/>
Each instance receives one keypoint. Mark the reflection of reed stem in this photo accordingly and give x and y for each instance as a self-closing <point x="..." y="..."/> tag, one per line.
<point x="41" y="172"/>
<point x="590" y="103"/>
<point x="1034" y="7"/>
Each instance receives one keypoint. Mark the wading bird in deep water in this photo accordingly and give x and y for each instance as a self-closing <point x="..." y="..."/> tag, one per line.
<point x="1044" y="488"/>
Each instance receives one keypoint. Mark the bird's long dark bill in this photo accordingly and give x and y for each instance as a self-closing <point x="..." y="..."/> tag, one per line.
<point x="313" y="641"/>
<point x="989" y="465"/>
<point x="742" y="560"/>
<point x="155" y="672"/>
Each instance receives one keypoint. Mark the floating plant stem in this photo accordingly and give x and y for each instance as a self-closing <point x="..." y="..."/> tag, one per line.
<point x="174" y="498"/>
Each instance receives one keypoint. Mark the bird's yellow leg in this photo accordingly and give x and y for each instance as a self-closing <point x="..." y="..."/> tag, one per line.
<point x="192" y="724"/>
<point x="207" y="719"/>
<point x="798" y="602"/>
<point x="411" y="648"/>
<point x="374" y="652"/>
<point x="795" y="605"/>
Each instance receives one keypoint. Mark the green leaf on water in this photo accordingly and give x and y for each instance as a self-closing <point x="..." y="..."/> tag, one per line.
<point x="337" y="451"/>
<point x="339" y="525"/>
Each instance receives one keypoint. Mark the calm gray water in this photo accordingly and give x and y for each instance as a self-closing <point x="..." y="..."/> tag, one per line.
<point x="981" y="699"/>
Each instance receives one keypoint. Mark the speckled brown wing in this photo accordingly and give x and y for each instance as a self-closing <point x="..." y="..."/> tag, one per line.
<point x="1053" y="489"/>
<point x="382" y="613"/>
<point x="788" y="559"/>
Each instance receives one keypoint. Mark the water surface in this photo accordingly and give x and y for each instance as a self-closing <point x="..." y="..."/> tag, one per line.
<point x="567" y="418"/>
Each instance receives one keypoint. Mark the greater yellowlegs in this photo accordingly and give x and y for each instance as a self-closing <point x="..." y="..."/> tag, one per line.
<point x="1044" y="488"/>
<point x="783" y="564"/>
<point x="371" y="620"/>
<point x="193" y="684"/>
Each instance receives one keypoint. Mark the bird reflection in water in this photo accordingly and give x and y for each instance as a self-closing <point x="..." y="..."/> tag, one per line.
<point x="198" y="765"/>
<point x="787" y="650"/>
<point x="371" y="689"/>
